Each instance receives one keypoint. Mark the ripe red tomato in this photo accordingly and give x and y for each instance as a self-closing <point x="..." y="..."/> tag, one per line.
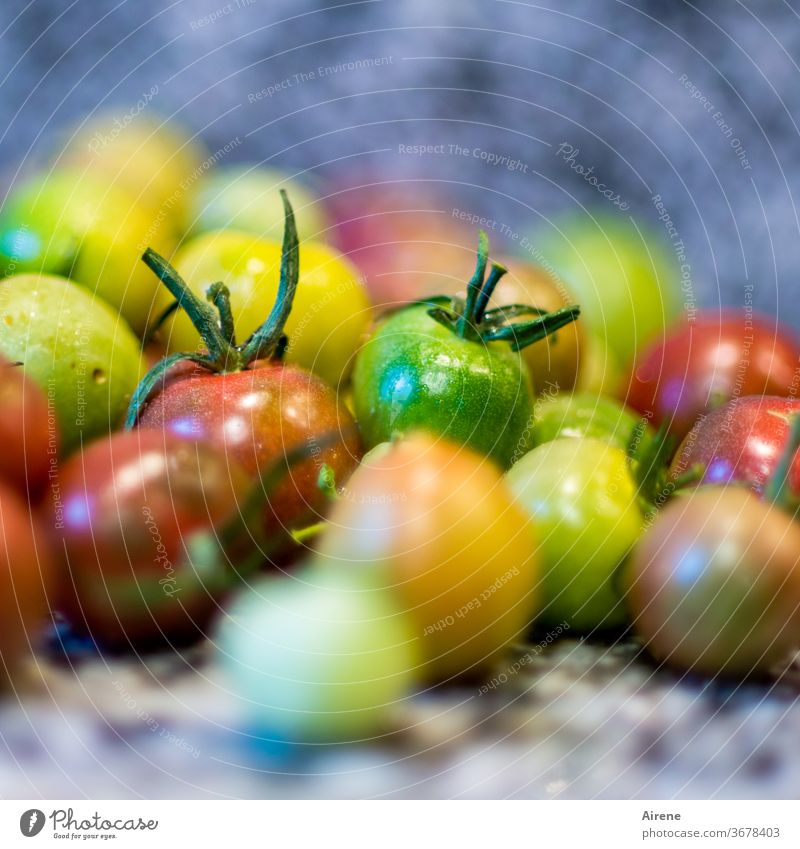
<point x="702" y="365"/>
<point x="740" y="442"/>
<point x="254" y="417"/>
<point x="28" y="431"/>
<point x="243" y="400"/>
<point x="135" y="526"/>
<point x="25" y="580"/>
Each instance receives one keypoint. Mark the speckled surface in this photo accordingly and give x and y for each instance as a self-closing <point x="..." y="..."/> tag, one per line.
<point x="579" y="720"/>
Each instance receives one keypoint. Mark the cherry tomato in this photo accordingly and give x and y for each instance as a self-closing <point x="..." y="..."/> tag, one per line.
<point x="244" y="400"/>
<point x="330" y="311"/>
<point x="404" y="240"/>
<point x="157" y="163"/>
<point x="253" y="417"/>
<point x="28" y="431"/>
<point x="318" y="657"/>
<point x="714" y="585"/>
<point x="90" y="231"/>
<point x="80" y="352"/>
<point x="245" y="198"/>
<point x="582" y="500"/>
<point x="739" y="442"/>
<point x="626" y="282"/>
<point x="584" y="414"/>
<point x="702" y="365"/>
<point x="446" y="366"/>
<point x="436" y="523"/>
<point x="128" y="522"/>
<point x="25" y="581"/>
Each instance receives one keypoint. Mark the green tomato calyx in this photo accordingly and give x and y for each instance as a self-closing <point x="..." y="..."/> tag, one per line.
<point x="776" y="490"/>
<point x="213" y="319"/>
<point x="469" y="318"/>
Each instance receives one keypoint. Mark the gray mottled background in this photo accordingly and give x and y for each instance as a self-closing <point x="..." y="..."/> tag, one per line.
<point x="512" y="77"/>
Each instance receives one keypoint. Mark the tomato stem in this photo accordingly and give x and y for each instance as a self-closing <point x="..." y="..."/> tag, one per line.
<point x="776" y="490"/>
<point x="469" y="319"/>
<point x="215" y="323"/>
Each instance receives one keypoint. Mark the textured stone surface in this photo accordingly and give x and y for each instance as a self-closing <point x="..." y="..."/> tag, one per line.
<point x="577" y="721"/>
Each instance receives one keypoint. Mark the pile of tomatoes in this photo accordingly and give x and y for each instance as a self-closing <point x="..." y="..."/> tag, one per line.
<point x="360" y="454"/>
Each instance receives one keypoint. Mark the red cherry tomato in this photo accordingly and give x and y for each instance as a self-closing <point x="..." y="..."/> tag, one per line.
<point x="254" y="417"/>
<point x="128" y="510"/>
<point x="702" y="365"/>
<point x="740" y="442"/>
<point x="28" y="431"/>
<point x="25" y="580"/>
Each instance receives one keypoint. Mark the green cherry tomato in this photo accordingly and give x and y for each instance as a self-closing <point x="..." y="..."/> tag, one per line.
<point x="585" y="414"/>
<point x="415" y="374"/>
<point x="627" y="284"/>
<point x="318" y="657"/>
<point x="330" y="311"/>
<point x="71" y="224"/>
<point x="246" y="198"/>
<point x="83" y="354"/>
<point x="583" y="506"/>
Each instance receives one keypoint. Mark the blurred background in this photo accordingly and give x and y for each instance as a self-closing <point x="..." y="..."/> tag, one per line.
<point x="694" y="102"/>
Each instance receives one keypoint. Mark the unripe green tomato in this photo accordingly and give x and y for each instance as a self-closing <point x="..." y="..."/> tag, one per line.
<point x="330" y="311"/>
<point x="82" y="353"/>
<point x="627" y="283"/>
<point x="585" y="414"/>
<point x="415" y="374"/>
<point x="321" y="656"/>
<point x="246" y="198"/>
<point x="582" y="501"/>
<point x="70" y="224"/>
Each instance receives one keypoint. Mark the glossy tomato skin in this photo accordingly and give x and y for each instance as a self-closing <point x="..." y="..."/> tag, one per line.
<point x="714" y="585"/>
<point x="435" y="523"/>
<point x="582" y="502"/>
<point x="415" y="374"/>
<point x="741" y="442"/>
<point x="126" y="509"/>
<point x="253" y="417"/>
<point x="585" y="414"/>
<point x="703" y="364"/>
<point x="26" y="581"/>
<point x="28" y="431"/>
